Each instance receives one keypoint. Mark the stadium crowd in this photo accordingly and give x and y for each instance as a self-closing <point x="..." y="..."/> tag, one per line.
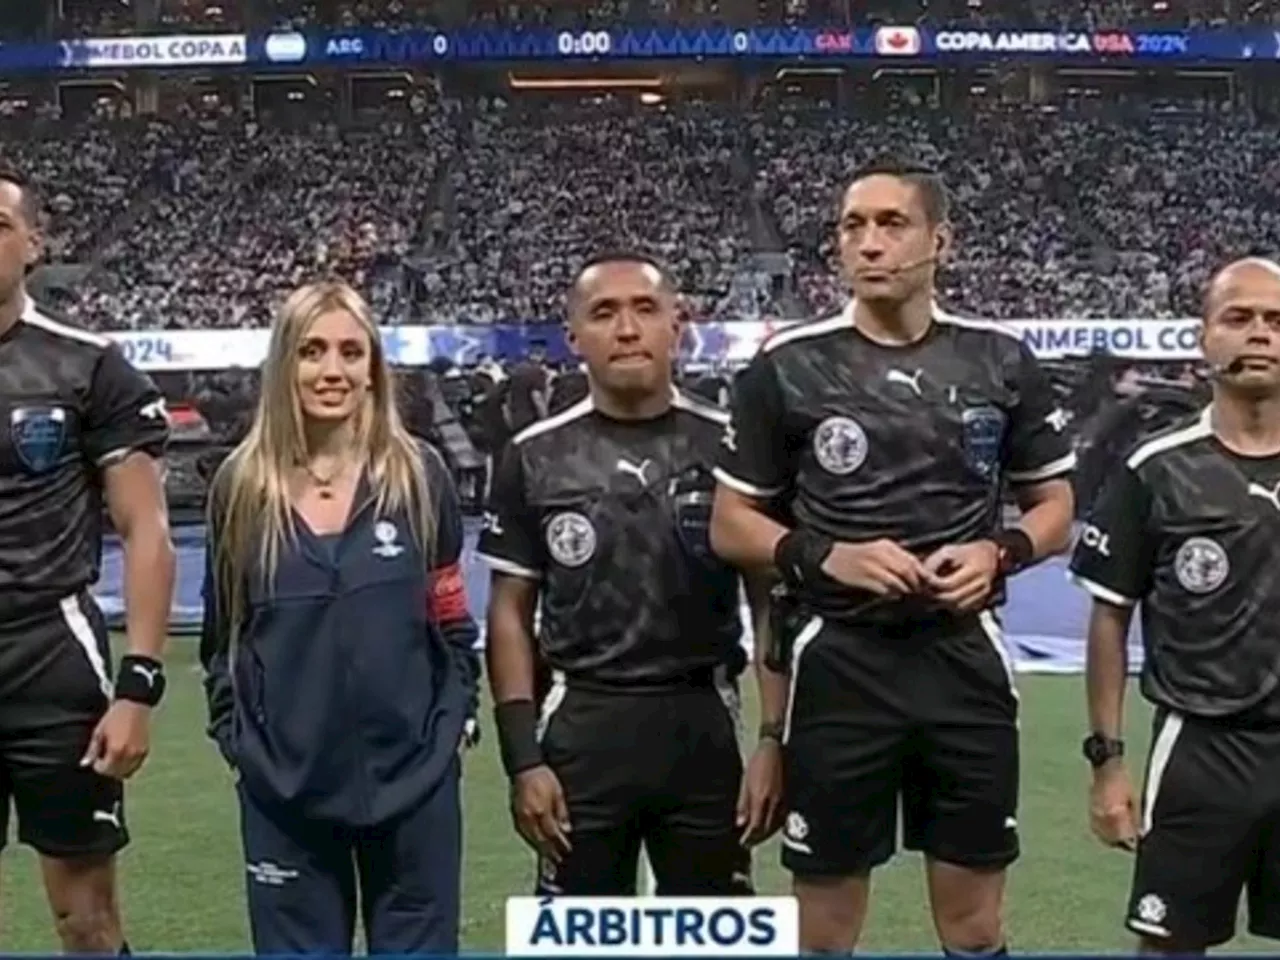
<point x="246" y="211"/>
<point x="1057" y="216"/>
<point x="475" y="212"/>
<point x="535" y="190"/>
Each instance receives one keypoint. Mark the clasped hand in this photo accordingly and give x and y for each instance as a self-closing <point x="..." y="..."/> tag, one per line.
<point x="960" y="577"/>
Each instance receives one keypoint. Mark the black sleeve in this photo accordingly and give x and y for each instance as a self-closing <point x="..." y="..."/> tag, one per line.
<point x="1039" y="443"/>
<point x="510" y="541"/>
<point x="450" y="609"/>
<point x="1114" y="556"/>
<point x="215" y="645"/>
<point x="755" y="453"/>
<point x="125" y="412"/>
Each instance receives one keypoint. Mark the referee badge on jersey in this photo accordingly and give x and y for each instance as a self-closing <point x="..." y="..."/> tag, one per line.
<point x="840" y="445"/>
<point x="571" y="539"/>
<point x="1201" y="565"/>
<point x="38" y="435"/>
<point x="983" y="439"/>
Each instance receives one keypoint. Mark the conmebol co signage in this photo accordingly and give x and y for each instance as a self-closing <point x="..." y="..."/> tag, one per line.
<point x="197" y="50"/>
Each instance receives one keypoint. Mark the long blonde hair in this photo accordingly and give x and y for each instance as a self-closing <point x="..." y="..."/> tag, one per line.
<point x="250" y="504"/>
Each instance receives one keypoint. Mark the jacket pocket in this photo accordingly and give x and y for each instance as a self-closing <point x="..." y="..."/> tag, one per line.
<point x="251" y="685"/>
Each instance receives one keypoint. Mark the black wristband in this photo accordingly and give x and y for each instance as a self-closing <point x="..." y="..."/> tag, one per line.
<point x="1016" y="550"/>
<point x="799" y="556"/>
<point x="517" y="723"/>
<point x="141" y="680"/>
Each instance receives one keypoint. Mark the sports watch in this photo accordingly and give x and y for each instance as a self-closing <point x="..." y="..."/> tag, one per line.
<point x="1098" y="749"/>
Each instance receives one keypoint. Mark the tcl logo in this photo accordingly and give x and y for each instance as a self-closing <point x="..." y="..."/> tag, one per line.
<point x="730" y="438"/>
<point x="1096" y="540"/>
<point x="897" y="41"/>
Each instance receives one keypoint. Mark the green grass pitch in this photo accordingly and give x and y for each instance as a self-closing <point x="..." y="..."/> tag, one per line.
<point x="183" y="876"/>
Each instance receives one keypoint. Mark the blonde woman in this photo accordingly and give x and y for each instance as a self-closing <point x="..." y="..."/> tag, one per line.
<point x="339" y="648"/>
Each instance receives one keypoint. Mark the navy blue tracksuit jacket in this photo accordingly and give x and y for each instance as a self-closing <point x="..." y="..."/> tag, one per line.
<point x="341" y="706"/>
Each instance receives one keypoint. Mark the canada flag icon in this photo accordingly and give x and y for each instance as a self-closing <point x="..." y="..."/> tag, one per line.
<point x="897" y="41"/>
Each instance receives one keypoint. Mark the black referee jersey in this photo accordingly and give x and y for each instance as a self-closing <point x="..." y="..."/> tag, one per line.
<point x="1189" y="530"/>
<point x="612" y="518"/>
<point x="912" y="443"/>
<point x="71" y="404"/>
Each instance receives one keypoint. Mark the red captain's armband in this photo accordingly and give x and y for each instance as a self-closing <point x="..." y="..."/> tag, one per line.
<point x="447" y="601"/>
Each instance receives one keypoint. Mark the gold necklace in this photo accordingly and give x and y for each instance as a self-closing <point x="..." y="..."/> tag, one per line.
<point x="324" y="485"/>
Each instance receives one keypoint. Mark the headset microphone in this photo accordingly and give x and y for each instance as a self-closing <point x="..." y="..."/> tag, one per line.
<point x="904" y="268"/>
<point x="1229" y="369"/>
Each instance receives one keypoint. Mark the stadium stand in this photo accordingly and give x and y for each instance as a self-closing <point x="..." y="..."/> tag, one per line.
<point x="1058" y="218"/>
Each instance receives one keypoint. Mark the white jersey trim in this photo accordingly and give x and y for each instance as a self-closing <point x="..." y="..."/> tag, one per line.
<point x="706" y="411"/>
<point x="564" y="417"/>
<point x="1199" y="430"/>
<point x="32" y="315"/>
<point x="815" y="328"/>
<point x="973" y="323"/>
<point x="744" y="488"/>
<point x="679" y="401"/>
<point x="1054" y="468"/>
<point x="1099" y="592"/>
<point x="844" y="320"/>
<point x="502" y="565"/>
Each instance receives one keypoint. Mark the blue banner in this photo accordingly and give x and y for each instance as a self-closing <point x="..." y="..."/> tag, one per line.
<point x="728" y="343"/>
<point x="384" y="48"/>
<point x="656" y="43"/>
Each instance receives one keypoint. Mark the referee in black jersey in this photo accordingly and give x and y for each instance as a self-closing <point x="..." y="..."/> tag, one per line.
<point x="600" y="514"/>
<point x="81" y="429"/>
<point x="1188" y="526"/>
<point x="889" y="431"/>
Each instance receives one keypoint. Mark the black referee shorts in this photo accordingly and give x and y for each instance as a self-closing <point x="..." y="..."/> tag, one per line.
<point x="657" y="768"/>
<point x="54" y="688"/>
<point x="1210" y="829"/>
<point x="918" y="717"/>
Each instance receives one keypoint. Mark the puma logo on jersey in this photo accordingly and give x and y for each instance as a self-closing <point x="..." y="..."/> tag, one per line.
<point x="148" y="674"/>
<point x="493" y="524"/>
<point x="1057" y="420"/>
<point x="1272" y="496"/>
<point x="155" y="410"/>
<point x="636" y="470"/>
<point x="907" y="380"/>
